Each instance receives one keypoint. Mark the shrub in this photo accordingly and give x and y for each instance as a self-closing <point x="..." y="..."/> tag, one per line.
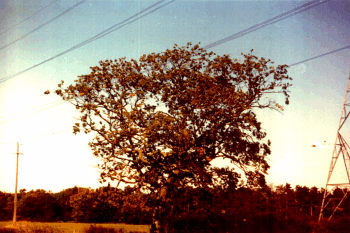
<point x="7" y="230"/>
<point x="102" y="229"/>
<point x="339" y="225"/>
<point x="194" y="222"/>
<point x="278" y="222"/>
<point x="38" y="205"/>
<point x="268" y="222"/>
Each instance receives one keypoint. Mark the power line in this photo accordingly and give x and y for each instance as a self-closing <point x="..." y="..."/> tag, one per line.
<point x="25" y="139"/>
<point x="232" y="37"/>
<point x="101" y="34"/>
<point x="13" y="26"/>
<point x="109" y="30"/>
<point x="44" y="24"/>
<point x="90" y="40"/>
<point x="32" y="108"/>
<point x="114" y="28"/>
<point x="322" y="55"/>
<point x="273" y="20"/>
<point x="98" y="36"/>
<point x="62" y="102"/>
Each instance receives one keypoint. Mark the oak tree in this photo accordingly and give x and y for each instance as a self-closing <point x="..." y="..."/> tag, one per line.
<point x="159" y="122"/>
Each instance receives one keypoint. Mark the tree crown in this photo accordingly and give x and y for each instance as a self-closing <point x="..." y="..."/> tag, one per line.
<point x="163" y="119"/>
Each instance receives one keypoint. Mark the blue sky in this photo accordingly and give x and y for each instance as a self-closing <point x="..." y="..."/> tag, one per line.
<point x="62" y="160"/>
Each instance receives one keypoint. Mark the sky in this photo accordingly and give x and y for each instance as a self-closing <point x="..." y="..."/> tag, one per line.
<point x="33" y="33"/>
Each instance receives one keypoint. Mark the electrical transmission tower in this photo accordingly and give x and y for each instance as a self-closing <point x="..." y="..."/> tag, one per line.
<point x="331" y="201"/>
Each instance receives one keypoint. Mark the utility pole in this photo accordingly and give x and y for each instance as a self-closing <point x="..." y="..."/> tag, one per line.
<point x="15" y="202"/>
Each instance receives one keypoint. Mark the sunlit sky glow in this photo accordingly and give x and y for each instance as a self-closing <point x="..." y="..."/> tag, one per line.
<point x="62" y="160"/>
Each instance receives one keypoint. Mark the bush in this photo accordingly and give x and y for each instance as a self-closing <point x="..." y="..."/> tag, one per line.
<point x="38" y="206"/>
<point x="195" y="222"/>
<point x="339" y="225"/>
<point x="102" y="229"/>
<point x="232" y="222"/>
<point x="278" y="222"/>
<point x="7" y="230"/>
<point x="6" y="206"/>
<point x="319" y="227"/>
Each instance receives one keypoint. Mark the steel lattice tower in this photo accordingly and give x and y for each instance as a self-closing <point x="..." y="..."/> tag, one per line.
<point x="341" y="148"/>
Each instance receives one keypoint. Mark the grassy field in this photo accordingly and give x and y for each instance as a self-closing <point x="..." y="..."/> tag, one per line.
<point x="74" y="227"/>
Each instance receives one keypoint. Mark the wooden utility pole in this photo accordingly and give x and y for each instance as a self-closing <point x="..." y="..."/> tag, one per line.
<point x="15" y="202"/>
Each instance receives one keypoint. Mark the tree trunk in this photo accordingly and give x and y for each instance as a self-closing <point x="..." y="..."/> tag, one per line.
<point x="156" y="226"/>
<point x="159" y="222"/>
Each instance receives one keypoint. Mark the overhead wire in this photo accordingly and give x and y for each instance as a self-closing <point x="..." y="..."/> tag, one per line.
<point x="40" y="110"/>
<point x="108" y="31"/>
<point x="234" y="36"/>
<point x="318" y="56"/>
<point x="278" y="18"/>
<point x="93" y="38"/>
<point x="25" y="139"/>
<point x="255" y="27"/>
<point x="273" y="20"/>
<point x="42" y="25"/>
<point x="15" y="25"/>
<point x="39" y="135"/>
<point x="31" y="109"/>
<point x="98" y="36"/>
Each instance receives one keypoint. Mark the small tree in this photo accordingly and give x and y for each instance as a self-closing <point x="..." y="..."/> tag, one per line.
<point x="64" y="212"/>
<point x="38" y="205"/>
<point x="160" y="121"/>
<point x="5" y="214"/>
<point x="83" y="204"/>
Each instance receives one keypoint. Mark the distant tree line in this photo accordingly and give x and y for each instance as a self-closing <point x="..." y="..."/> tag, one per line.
<point x="105" y="204"/>
<point x="267" y="209"/>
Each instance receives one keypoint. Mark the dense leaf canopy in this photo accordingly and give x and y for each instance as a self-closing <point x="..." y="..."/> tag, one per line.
<point x="162" y="120"/>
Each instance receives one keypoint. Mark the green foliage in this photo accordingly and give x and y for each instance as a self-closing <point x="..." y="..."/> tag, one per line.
<point x="5" y="206"/>
<point x="207" y="113"/>
<point x="160" y="121"/>
<point x="340" y="224"/>
<point x="81" y="202"/>
<point x="192" y="104"/>
<point x="241" y="209"/>
<point x="268" y="222"/>
<point x="102" y="229"/>
<point x="108" y="204"/>
<point x="64" y="212"/>
<point x="7" y="230"/>
<point x="276" y="222"/>
<point x="38" y="205"/>
<point x="135" y="209"/>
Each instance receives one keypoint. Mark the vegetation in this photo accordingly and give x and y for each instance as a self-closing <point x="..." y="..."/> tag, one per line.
<point x="160" y="121"/>
<point x="38" y="205"/>
<point x="243" y="209"/>
<point x="158" y="124"/>
<point x="29" y="227"/>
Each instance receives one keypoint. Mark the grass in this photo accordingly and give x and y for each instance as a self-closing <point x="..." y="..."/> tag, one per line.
<point x="24" y="226"/>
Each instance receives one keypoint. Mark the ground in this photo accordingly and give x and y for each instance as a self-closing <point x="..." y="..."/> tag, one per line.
<point x="75" y="227"/>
